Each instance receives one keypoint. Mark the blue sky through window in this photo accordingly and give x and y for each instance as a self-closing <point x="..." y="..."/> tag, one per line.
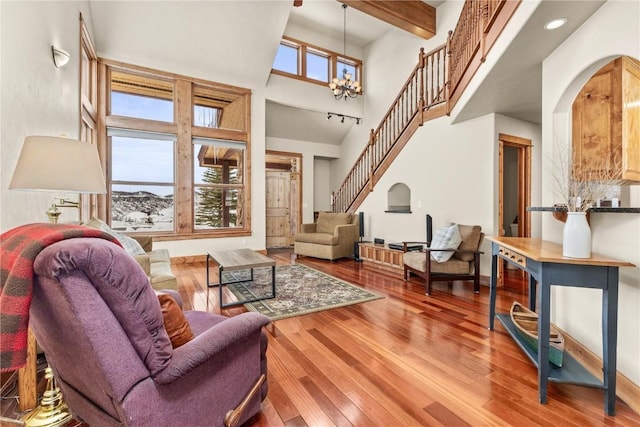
<point x="286" y="59"/>
<point x="137" y="159"/>
<point x="317" y="67"/>
<point x="141" y="107"/>
<point x="350" y="69"/>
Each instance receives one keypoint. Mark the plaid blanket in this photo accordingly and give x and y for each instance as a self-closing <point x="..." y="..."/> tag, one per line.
<point x="19" y="248"/>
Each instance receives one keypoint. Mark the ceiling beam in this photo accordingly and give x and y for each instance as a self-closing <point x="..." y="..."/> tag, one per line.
<point x="413" y="16"/>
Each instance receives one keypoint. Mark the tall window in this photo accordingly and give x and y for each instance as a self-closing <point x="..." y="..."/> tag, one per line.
<point x="142" y="180"/>
<point x="218" y="180"/>
<point x="313" y="64"/>
<point x="177" y="150"/>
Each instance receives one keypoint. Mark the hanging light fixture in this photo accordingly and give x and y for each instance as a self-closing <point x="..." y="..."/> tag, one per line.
<point x="345" y="87"/>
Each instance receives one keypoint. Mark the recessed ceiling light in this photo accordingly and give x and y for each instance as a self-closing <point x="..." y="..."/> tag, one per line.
<point x="555" y="23"/>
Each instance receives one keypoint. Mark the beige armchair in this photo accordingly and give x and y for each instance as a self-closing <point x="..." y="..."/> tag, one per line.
<point x="463" y="265"/>
<point x="333" y="236"/>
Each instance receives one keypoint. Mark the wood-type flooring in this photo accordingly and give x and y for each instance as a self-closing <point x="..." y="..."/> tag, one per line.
<point x="405" y="360"/>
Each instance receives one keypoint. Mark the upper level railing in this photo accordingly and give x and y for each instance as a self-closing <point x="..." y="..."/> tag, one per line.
<point x="480" y="24"/>
<point x="438" y="79"/>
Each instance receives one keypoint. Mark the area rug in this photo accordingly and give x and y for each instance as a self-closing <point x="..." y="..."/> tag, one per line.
<point x="299" y="290"/>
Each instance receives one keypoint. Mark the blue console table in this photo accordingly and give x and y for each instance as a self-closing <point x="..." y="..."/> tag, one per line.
<point x="546" y="266"/>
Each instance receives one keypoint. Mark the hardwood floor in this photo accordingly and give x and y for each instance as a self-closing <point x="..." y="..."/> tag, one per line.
<point x="405" y="360"/>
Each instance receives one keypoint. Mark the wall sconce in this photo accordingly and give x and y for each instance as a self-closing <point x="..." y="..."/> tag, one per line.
<point x="60" y="57"/>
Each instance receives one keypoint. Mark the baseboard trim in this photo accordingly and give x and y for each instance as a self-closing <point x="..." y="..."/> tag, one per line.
<point x="626" y="390"/>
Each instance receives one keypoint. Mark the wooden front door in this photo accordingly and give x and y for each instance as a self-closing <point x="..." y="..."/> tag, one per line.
<point x="278" y="184"/>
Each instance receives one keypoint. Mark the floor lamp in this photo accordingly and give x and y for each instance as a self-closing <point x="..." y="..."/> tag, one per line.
<point x="56" y="165"/>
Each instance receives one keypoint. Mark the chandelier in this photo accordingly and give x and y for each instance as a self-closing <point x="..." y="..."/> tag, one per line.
<point x="345" y="87"/>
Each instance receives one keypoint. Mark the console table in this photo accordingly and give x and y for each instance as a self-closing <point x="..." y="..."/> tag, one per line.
<point x="546" y="266"/>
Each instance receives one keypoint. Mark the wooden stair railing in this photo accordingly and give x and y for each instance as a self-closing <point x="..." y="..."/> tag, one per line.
<point x="432" y="90"/>
<point x="424" y="89"/>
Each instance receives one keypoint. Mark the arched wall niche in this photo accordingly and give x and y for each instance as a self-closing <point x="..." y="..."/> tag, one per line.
<point x="399" y="198"/>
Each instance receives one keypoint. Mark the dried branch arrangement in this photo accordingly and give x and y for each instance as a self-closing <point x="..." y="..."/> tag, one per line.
<point x="597" y="184"/>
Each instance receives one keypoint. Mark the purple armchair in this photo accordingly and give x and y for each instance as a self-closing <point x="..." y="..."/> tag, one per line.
<point x="101" y="327"/>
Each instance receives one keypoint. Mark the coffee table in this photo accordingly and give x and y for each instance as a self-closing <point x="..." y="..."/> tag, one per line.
<point x="238" y="260"/>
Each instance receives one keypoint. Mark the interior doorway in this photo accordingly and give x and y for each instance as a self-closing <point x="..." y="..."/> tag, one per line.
<point x="283" y="193"/>
<point x="514" y="195"/>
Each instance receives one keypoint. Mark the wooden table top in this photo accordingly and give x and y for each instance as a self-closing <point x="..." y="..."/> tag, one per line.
<point x="238" y="259"/>
<point x="545" y="251"/>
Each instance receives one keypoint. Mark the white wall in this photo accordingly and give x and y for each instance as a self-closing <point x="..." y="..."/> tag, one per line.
<point x="36" y="97"/>
<point x="612" y="31"/>
<point x="449" y="169"/>
<point x="321" y="184"/>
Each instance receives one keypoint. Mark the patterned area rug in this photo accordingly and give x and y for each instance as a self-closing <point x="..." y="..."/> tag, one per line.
<point x="299" y="290"/>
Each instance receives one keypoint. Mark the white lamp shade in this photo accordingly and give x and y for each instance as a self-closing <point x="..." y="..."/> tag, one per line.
<point x="49" y="163"/>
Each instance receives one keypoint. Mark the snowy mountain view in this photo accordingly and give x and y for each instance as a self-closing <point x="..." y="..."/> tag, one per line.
<point x="141" y="210"/>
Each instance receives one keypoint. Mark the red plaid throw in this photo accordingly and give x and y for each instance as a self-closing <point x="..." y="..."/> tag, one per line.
<point x="18" y="250"/>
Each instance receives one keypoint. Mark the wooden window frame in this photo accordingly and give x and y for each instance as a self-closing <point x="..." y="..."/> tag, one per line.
<point x="88" y="110"/>
<point x="184" y="130"/>
<point x="333" y="57"/>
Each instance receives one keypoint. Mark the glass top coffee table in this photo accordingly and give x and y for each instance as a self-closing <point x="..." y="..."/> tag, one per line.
<point x="238" y="260"/>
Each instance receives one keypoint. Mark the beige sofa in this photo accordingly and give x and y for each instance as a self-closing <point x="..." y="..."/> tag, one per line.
<point x="333" y="236"/>
<point x="157" y="264"/>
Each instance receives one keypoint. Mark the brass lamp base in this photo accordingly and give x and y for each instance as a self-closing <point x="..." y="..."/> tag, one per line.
<point x="53" y="213"/>
<point x="52" y="411"/>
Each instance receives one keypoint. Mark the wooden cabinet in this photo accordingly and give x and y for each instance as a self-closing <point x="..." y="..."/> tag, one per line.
<point x="382" y="257"/>
<point x="606" y="123"/>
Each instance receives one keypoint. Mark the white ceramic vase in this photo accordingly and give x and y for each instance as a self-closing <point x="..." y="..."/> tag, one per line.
<point x="576" y="239"/>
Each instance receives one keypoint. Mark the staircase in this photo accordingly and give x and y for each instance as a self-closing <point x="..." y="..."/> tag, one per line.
<point x="431" y="91"/>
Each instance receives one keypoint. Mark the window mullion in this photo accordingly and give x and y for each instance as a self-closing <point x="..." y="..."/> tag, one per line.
<point x="302" y="59"/>
<point x="184" y="175"/>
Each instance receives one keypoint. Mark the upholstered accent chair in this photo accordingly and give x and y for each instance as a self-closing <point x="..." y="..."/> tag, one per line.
<point x="464" y="264"/>
<point x="333" y="236"/>
<point x="102" y="329"/>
